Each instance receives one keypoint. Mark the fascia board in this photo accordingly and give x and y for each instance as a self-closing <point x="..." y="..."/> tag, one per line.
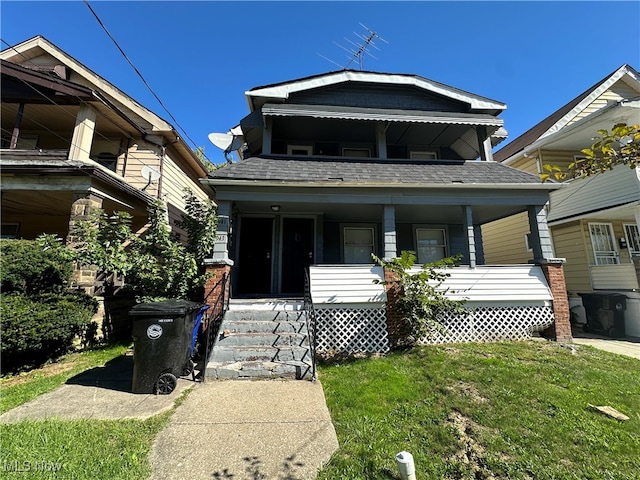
<point x="284" y="90"/>
<point x="589" y="99"/>
<point x="440" y="186"/>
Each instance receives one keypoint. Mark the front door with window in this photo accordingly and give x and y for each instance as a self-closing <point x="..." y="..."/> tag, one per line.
<point x="297" y="252"/>
<point x="604" y="244"/>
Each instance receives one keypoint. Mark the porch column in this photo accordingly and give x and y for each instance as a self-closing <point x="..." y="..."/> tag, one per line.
<point x="381" y="138"/>
<point x="390" y="237"/>
<point x="221" y="245"/>
<point x="560" y="331"/>
<point x="484" y="144"/>
<point x="540" y="235"/>
<point x="83" y="133"/>
<point x="83" y="204"/>
<point x="467" y="219"/>
<point x="266" y="136"/>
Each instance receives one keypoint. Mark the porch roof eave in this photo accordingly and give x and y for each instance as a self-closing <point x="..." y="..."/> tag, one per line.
<point x="342" y="184"/>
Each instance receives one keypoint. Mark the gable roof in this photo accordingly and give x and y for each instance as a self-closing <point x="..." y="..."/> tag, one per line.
<point x="284" y="89"/>
<point x="561" y="117"/>
<point x="25" y="52"/>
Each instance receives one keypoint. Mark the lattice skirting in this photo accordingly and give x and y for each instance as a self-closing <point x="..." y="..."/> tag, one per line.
<point x="486" y="324"/>
<point x="349" y="330"/>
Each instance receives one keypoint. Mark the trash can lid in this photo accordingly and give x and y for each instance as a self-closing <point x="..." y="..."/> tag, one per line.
<point x="172" y="306"/>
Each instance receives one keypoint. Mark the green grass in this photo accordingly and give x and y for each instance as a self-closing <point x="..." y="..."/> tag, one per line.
<point x="506" y="410"/>
<point x="19" y="389"/>
<point x="78" y="449"/>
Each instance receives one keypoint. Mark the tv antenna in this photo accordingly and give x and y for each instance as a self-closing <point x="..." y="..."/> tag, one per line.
<point x="357" y="51"/>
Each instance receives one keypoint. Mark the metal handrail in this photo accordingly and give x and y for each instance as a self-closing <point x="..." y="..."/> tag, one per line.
<point x="216" y="316"/>
<point x="310" y="320"/>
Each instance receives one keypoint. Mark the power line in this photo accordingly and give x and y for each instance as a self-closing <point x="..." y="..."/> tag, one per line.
<point x="140" y="75"/>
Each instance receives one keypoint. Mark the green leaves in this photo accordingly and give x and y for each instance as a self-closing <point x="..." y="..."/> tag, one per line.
<point x="422" y="301"/>
<point x="621" y="146"/>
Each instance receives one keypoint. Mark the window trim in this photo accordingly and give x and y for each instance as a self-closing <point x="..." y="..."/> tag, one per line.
<point x="445" y="235"/>
<point x="306" y="148"/>
<point x="360" y="226"/>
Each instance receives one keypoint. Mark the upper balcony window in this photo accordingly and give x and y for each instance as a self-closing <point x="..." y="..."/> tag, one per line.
<point x="423" y="155"/>
<point x="356" y="152"/>
<point x="299" y="150"/>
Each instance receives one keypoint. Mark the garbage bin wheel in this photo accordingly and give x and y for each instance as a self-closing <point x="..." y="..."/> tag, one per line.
<point x="166" y="383"/>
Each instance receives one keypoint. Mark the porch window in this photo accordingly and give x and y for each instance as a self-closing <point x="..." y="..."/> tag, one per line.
<point x="299" y="150"/>
<point x="633" y="238"/>
<point x="604" y="244"/>
<point x="430" y="244"/>
<point x="356" y="152"/>
<point x="423" y="155"/>
<point x="359" y="244"/>
<point x="9" y="230"/>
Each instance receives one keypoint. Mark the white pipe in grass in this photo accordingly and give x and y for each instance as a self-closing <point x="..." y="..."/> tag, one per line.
<point x="406" y="466"/>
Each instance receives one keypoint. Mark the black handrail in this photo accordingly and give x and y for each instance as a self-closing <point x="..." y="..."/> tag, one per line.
<point x="310" y="318"/>
<point x="216" y="315"/>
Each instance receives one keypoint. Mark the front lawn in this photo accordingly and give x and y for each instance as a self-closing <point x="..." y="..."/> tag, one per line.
<point x="480" y="411"/>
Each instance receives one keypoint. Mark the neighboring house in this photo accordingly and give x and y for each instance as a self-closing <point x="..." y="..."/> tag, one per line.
<point x="72" y="141"/>
<point x="343" y="165"/>
<point x="594" y="221"/>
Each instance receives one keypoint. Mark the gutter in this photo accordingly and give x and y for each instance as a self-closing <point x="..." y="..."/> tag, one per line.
<point x="354" y="184"/>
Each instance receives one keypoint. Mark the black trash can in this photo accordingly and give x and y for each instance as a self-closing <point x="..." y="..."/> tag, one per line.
<point x="162" y="336"/>
<point x="605" y="313"/>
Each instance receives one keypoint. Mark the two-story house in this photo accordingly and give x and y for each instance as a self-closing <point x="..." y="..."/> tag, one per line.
<point x="342" y="165"/>
<point x="595" y="221"/>
<point x="72" y="141"/>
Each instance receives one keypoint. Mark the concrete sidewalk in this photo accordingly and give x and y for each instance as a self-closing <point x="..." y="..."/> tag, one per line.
<point x="247" y="430"/>
<point x="628" y="348"/>
<point x="102" y="393"/>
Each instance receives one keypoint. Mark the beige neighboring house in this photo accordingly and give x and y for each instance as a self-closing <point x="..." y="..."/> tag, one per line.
<point x="72" y="141"/>
<point x="595" y="221"/>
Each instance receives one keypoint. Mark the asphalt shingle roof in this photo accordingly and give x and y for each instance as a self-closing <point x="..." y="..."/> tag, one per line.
<point x="373" y="171"/>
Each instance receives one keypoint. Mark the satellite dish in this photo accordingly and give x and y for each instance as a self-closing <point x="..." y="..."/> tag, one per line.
<point x="226" y="141"/>
<point x="150" y="174"/>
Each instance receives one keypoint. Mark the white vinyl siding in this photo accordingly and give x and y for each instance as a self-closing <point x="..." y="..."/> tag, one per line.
<point x="346" y="284"/>
<point x="603" y="243"/>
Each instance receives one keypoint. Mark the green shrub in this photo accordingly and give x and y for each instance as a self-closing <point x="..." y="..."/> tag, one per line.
<point x="35" y="266"/>
<point x="39" y="328"/>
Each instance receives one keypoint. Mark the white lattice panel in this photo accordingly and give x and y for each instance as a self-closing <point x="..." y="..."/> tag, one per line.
<point x="487" y="324"/>
<point x="350" y="330"/>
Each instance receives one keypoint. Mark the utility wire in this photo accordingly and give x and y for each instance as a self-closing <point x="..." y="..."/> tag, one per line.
<point x="140" y="75"/>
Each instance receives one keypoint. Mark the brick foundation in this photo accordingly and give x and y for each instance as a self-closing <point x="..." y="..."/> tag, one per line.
<point x="397" y="329"/>
<point x="560" y="331"/>
<point x="214" y="285"/>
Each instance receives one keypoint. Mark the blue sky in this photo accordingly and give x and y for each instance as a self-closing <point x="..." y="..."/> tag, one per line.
<point x="200" y="57"/>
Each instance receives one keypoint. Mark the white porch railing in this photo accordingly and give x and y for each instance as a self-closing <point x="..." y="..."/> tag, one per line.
<point x="614" y="277"/>
<point x="504" y="303"/>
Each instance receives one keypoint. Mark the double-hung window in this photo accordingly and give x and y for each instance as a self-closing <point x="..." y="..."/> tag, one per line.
<point x="431" y="244"/>
<point x="603" y="243"/>
<point x="359" y="244"/>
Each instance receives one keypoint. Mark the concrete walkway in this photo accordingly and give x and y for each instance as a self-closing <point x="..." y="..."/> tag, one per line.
<point x="224" y="429"/>
<point x="628" y="348"/>
<point x="247" y="430"/>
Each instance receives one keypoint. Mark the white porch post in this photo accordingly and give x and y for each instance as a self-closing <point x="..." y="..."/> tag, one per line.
<point x="390" y="238"/>
<point x="540" y="235"/>
<point x="83" y="133"/>
<point x="467" y="219"/>
<point x="221" y="246"/>
<point x="381" y="138"/>
<point x="484" y="144"/>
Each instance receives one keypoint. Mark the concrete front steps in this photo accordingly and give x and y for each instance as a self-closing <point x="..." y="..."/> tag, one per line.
<point x="261" y="339"/>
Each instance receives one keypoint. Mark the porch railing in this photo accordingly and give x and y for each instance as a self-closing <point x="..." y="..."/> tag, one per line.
<point x="310" y="319"/>
<point x="614" y="277"/>
<point x="214" y="318"/>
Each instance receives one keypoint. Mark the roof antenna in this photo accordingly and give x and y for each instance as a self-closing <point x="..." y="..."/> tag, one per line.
<point x="357" y="51"/>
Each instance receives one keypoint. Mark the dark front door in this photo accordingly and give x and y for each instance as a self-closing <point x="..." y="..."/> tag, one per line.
<point x="254" y="256"/>
<point x="297" y="252"/>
